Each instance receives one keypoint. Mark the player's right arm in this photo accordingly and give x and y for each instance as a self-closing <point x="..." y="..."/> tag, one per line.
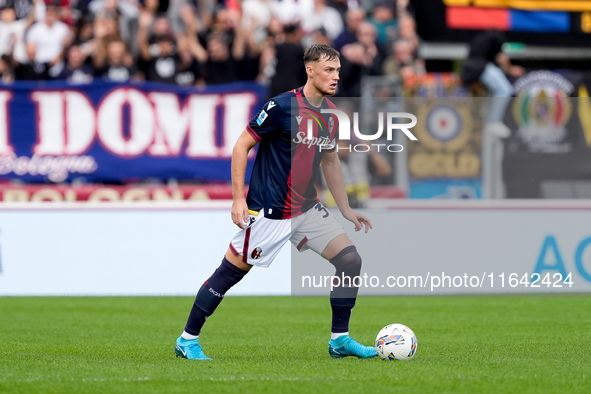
<point x="265" y="122"/>
<point x="239" y="160"/>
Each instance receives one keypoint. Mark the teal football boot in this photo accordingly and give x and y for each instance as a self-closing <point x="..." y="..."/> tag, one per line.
<point x="189" y="349"/>
<point x="345" y="346"/>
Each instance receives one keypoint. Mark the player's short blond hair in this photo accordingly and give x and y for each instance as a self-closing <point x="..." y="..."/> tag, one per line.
<point x="319" y="51"/>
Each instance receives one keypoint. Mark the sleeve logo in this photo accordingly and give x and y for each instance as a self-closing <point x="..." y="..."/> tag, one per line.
<point x="261" y="118"/>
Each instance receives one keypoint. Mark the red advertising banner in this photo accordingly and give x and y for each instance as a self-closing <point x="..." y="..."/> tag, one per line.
<point x="35" y="193"/>
<point x="98" y="193"/>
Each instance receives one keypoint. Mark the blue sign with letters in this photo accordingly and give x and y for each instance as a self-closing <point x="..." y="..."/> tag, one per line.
<point x="107" y="132"/>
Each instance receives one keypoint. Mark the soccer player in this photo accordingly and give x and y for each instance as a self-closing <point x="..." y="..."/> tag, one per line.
<point x="281" y="204"/>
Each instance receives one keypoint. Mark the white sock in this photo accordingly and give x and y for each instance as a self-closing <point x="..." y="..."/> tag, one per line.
<point x="335" y="335"/>
<point x="188" y="336"/>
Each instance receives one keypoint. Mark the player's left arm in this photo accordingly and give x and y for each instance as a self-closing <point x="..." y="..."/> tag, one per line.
<point x="331" y="168"/>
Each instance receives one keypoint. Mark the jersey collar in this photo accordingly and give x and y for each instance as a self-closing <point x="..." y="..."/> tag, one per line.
<point x="300" y="93"/>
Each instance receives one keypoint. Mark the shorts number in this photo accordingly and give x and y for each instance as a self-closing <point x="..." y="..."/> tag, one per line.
<point x="319" y="208"/>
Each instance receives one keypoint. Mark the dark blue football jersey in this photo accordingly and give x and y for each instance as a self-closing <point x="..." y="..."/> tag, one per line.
<point x="288" y="160"/>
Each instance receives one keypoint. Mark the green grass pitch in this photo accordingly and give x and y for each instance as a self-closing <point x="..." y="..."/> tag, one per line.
<point x="279" y="344"/>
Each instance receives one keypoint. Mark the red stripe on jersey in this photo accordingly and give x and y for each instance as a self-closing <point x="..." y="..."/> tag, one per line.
<point x="245" y="248"/>
<point x="300" y="176"/>
<point x="253" y="133"/>
<point x="233" y="249"/>
<point x="335" y="128"/>
<point x="287" y="207"/>
<point x="302" y="162"/>
<point x="302" y="243"/>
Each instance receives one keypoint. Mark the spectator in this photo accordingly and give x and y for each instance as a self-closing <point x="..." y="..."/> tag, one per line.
<point x="76" y="70"/>
<point x="254" y="43"/>
<point x="85" y="35"/>
<point x="342" y="6"/>
<point x="224" y="58"/>
<point x="191" y="53"/>
<point x="366" y="36"/>
<point x="222" y="64"/>
<point x="156" y="6"/>
<point x="117" y="65"/>
<point x="383" y="18"/>
<point x="234" y="39"/>
<point x="403" y="62"/>
<point x="354" y="65"/>
<point x="6" y="73"/>
<point x="13" y="50"/>
<point x="160" y="61"/>
<point x="106" y="25"/>
<point x="481" y="65"/>
<point x="353" y="18"/>
<point x="23" y="8"/>
<point x="160" y="25"/>
<point x="275" y="31"/>
<point x="408" y="29"/>
<point x="124" y="12"/>
<point x="257" y="15"/>
<point x="403" y="7"/>
<point x="105" y="30"/>
<point x="174" y="13"/>
<point x="128" y="8"/>
<point x="363" y="57"/>
<point x="289" y="70"/>
<point x="188" y="70"/>
<point x="46" y="44"/>
<point x="64" y="10"/>
<point x="201" y="11"/>
<point x="320" y="36"/>
<point x="78" y="10"/>
<point x="324" y="16"/>
<point x="292" y="11"/>
<point x="360" y="58"/>
<point x="268" y="61"/>
<point x="225" y="23"/>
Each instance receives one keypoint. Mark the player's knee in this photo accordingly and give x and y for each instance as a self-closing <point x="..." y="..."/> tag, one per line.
<point x="214" y="289"/>
<point x="354" y="263"/>
<point x="348" y="261"/>
<point x="236" y="260"/>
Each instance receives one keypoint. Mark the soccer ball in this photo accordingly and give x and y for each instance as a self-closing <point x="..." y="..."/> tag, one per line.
<point x="396" y="342"/>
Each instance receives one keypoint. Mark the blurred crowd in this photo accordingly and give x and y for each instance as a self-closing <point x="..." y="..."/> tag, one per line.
<point x="204" y="42"/>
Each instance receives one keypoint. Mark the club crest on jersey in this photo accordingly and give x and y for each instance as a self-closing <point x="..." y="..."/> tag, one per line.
<point x="256" y="253"/>
<point x="261" y="118"/>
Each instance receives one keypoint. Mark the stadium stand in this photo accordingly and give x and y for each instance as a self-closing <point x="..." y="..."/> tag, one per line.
<point x="406" y="47"/>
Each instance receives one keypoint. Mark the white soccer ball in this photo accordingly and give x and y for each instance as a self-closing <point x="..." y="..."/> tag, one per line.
<point x="396" y="342"/>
